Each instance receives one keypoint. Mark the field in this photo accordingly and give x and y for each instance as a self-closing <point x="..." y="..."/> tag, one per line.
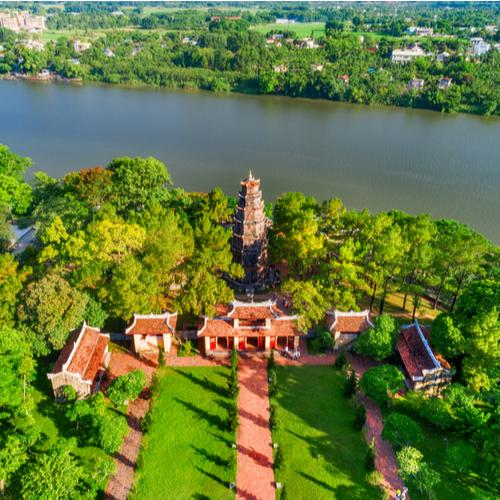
<point x="323" y="455"/>
<point x="187" y="453"/>
<point x="302" y="30"/>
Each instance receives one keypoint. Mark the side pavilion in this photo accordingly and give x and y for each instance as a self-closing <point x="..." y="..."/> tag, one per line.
<point x="250" y="326"/>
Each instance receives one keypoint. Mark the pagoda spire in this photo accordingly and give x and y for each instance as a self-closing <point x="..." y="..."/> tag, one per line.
<point x="250" y="176"/>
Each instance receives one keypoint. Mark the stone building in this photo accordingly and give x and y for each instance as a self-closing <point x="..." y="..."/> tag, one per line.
<point x="249" y="244"/>
<point x="250" y="326"/>
<point x="81" y="362"/>
<point x="426" y="370"/>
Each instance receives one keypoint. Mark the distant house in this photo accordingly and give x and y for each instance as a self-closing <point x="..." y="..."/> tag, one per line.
<point x="479" y="46"/>
<point x="152" y="331"/>
<point x="407" y="54"/>
<point x="33" y="45"/>
<point x="444" y="83"/>
<point x="420" y="31"/>
<point x="416" y="84"/>
<point x="80" y="47"/>
<point x="425" y="370"/>
<point x="317" y="67"/>
<point x="284" y="20"/>
<point x="346" y="326"/>
<point x="344" y="79"/>
<point x="280" y="68"/>
<point x="81" y="362"/>
<point x="309" y="43"/>
<point x="442" y="56"/>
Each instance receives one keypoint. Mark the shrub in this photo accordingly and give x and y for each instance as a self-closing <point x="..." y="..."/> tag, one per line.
<point x="70" y="393"/>
<point x="370" y="457"/>
<point x="271" y="362"/>
<point x="273" y="383"/>
<point x="161" y="358"/>
<point x="401" y="430"/>
<point x="234" y="359"/>
<point x="278" y="459"/>
<point x="381" y="382"/>
<point x="127" y="387"/>
<point x="274" y="422"/>
<point x="232" y="419"/>
<point x="323" y="342"/>
<point x="284" y="494"/>
<point x="341" y="360"/>
<point x="185" y="348"/>
<point x="233" y="387"/>
<point x="350" y="384"/>
<point x="359" y="417"/>
<point x="378" y="342"/>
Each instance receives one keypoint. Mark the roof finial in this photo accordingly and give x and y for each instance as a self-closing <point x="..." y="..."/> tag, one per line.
<point x="250" y="176"/>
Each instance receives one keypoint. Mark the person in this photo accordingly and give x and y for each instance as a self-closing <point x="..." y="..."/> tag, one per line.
<point x="286" y="350"/>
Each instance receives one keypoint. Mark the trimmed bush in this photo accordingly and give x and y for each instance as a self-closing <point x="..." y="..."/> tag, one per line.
<point x="350" y="385"/>
<point x="278" y="459"/>
<point x="370" y="457"/>
<point x="127" y="387"/>
<point x="359" y="417"/>
<point x="341" y="360"/>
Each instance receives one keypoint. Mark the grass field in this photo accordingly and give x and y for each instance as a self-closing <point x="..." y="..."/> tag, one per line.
<point x="187" y="452"/>
<point x="323" y="455"/>
<point x="453" y="484"/>
<point x="301" y="29"/>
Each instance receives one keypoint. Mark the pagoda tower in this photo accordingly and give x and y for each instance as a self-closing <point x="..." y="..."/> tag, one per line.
<point x="249" y="245"/>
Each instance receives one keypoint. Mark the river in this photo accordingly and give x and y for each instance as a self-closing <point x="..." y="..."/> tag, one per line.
<point x="378" y="158"/>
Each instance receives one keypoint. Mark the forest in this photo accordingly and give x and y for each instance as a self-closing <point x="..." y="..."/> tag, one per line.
<point x="116" y="240"/>
<point x="223" y="50"/>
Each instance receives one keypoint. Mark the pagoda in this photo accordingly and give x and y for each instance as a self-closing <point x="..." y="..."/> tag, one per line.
<point x="249" y="245"/>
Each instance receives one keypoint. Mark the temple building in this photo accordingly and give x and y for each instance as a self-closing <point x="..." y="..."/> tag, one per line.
<point x="250" y="326"/>
<point x="426" y="370"/>
<point x="249" y="244"/>
<point x="346" y="326"/>
<point x="151" y="332"/>
<point x="81" y="363"/>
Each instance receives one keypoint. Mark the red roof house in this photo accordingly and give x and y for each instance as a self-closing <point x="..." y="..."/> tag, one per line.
<point x="426" y="370"/>
<point x="250" y="326"/>
<point x="81" y="362"/>
<point x="346" y="326"/>
<point x="152" y="331"/>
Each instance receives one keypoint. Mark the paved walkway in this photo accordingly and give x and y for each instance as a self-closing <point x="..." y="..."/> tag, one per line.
<point x="385" y="461"/>
<point x="120" y="483"/>
<point x="255" y="478"/>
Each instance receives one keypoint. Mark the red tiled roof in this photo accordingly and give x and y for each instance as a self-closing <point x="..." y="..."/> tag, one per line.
<point x="413" y="352"/>
<point x="153" y="325"/>
<point x="349" y="324"/>
<point x="84" y="352"/>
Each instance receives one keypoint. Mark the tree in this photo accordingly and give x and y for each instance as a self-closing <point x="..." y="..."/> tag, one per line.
<point x="446" y="338"/>
<point x="52" y="475"/>
<point x="401" y="430"/>
<point x="378" y="342"/>
<point x="15" y="193"/>
<point x="12" y="456"/>
<point x="307" y="301"/>
<point x="127" y="387"/>
<point x="11" y="284"/>
<point x="381" y="382"/>
<point x="51" y="307"/>
<point x="413" y="468"/>
<point x="17" y="368"/>
<point x="460" y="456"/>
<point x="139" y="182"/>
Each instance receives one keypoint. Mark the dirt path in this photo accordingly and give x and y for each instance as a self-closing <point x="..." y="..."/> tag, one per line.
<point x="255" y="478"/>
<point x="385" y="461"/>
<point x="120" y="483"/>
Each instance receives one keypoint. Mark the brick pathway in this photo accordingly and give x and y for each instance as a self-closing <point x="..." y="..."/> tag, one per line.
<point x="385" y="461"/>
<point x="255" y="478"/>
<point x="120" y="483"/>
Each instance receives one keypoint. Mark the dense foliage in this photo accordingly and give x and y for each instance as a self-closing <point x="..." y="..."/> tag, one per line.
<point x="227" y="49"/>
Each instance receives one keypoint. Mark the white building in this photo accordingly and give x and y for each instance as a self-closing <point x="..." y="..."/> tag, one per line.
<point x="419" y="31"/>
<point x="444" y="83"/>
<point x="22" y="21"/>
<point x="309" y="43"/>
<point x="407" y="54"/>
<point x="317" y="67"/>
<point x="416" y="84"/>
<point x="280" y="68"/>
<point x="479" y="46"/>
<point x="80" y="46"/>
<point x="33" y="45"/>
<point x="284" y="20"/>
<point x="442" y="56"/>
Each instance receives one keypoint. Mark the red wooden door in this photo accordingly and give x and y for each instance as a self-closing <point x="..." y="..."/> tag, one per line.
<point x="230" y="343"/>
<point x="261" y="342"/>
<point x="290" y="343"/>
<point x="272" y="344"/>
<point x="213" y="343"/>
<point x="242" y="344"/>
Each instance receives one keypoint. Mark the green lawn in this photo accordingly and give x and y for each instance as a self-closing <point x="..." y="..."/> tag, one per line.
<point x="454" y="484"/>
<point x="302" y="30"/>
<point x="323" y="455"/>
<point x="187" y="452"/>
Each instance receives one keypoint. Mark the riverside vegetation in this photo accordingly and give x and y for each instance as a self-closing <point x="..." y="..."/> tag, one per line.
<point x="217" y="49"/>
